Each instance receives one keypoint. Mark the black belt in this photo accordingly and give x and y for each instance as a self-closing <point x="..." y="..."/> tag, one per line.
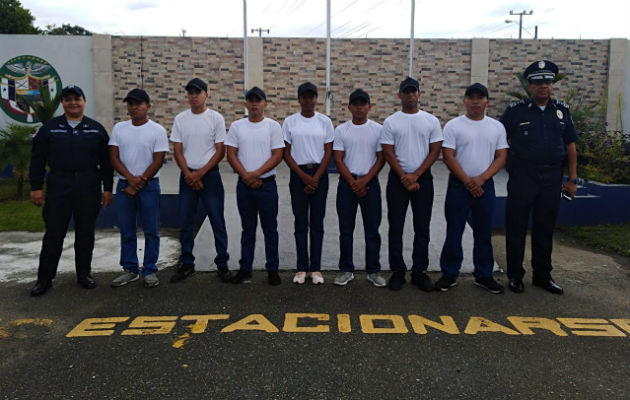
<point x="309" y="166"/>
<point x="216" y="167"/>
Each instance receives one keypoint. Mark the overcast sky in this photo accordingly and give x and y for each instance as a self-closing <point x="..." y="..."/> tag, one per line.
<point x="560" y="19"/>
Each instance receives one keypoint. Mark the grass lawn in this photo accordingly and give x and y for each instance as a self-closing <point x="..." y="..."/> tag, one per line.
<point x="8" y="190"/>
<point x="20" y="216"/>
<point x="612" y="237"/>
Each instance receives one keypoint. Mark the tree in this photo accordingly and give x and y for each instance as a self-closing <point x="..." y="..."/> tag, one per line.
<point x="45" y="107"/>
<point x="66" y="29"/>
<point x="16" y="19"/>
<point x="15" y="149"/>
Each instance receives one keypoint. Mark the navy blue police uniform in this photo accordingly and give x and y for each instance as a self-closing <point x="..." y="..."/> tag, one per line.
<point x="78" y="161"/>
<point x="538" y="140"/>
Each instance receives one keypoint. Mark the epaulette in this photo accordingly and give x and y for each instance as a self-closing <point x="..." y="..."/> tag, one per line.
<point x="560" y="103"/>
<point x="516" y="103"/>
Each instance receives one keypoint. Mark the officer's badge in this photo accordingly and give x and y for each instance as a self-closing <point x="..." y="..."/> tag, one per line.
<point x="559" y="114"/>
<point x="541" y="64"/>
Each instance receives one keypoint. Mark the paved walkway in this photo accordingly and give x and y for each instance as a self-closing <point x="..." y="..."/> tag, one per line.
<point x="19" y="251"/>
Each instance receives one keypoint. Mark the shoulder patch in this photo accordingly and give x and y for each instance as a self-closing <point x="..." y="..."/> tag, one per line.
<point x="516" y="103"/>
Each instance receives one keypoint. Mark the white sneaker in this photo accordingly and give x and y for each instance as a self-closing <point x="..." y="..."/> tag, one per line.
<point x="377" y="280"/>
<point x="343" y="278"/>
<point x="299" y="277"/>
<point x="317" y="278"/>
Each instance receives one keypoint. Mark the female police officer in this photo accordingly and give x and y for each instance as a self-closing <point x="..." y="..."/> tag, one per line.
<point x="75" y="149"/>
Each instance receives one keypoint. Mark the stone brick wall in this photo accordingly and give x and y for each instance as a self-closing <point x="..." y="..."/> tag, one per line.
<point x="168" y="63"/>
<point x="585" y="63"/>
<point x="165" y="64"/>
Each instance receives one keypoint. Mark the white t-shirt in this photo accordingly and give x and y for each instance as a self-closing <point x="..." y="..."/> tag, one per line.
<point x="307" y="137"/>
<point x="474" y="142"/>
<point x="198" y="134"/>
<point x="255" y="141"/>
<point x="411" y="135"/>
<point x="136" y="145"/>
<point x="360" y="143"/>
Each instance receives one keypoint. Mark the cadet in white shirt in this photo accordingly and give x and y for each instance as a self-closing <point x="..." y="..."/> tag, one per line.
<point x="359" y="158"/>
<point x="308" y="136"/>
<point x="137" y="148"/>
<point x="411" y="140"/>
<point x="475" y="149"/>
<point x="254" y="149"/>
<point x="198" y="135"/>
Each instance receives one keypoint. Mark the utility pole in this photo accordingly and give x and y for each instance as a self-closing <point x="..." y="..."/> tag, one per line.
<point x="520" y="20"/>
<point x="245" y="71"/>
<point x="328" y="58"/>
<point x="260" y="31"/>
<point x="411" y="37"/>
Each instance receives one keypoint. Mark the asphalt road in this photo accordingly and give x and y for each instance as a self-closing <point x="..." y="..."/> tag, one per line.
<point x="225" y="341"/>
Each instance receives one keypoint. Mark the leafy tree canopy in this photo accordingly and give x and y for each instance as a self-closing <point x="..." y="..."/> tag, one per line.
<point x="16" y="19"/>
<point x="66" y="29"/>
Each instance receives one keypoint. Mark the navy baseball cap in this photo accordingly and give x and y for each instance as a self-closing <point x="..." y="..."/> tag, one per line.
<point x="138" y="95"/>
<point x="476" y="88"/>
<point x="256" y="92"/>
<point x="541" y="70"/>
<point x="72" y="89"/>
<point x="409" y="82"/>
<point x="359" y="95"/>
<point x="197" y="84"/>
<point x="307" y="87"/>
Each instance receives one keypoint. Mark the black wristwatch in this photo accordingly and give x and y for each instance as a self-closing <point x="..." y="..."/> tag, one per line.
<point x="574" y="180"/>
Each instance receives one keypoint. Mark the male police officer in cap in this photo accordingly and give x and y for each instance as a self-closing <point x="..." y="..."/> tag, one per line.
<point x="75" y="149"/>
<point x="542" y="139"/>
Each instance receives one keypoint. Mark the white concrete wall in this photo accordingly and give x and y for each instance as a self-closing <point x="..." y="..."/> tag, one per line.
<point x="71" y="56"/>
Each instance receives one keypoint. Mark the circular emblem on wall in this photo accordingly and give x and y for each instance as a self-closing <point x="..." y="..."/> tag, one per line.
<point x="26" y="77"/>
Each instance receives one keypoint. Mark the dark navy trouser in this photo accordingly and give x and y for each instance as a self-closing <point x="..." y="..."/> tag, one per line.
<point x="309" y="211"/>
<point x="212" y="197"/>
<point x="347" y="204"/>
<point x="398" y="200"/>
<point x="252" y="203"/>
<point x="461" y="207"/>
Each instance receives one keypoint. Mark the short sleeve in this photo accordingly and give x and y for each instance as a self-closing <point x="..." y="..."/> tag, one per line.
<point x="330" y="130"/>
<point x="286" y="131"/>
<point x="449" y="136"/>
<point x="387" y="136"/>
<point x="161" y="144"/>
<point x="277" y="142"/>
<point x="219" y="129"/>
<point x="436" y="131"/>
<point x="113" y="139"/>
<point x="232" y="136"/>
<point x="338" y="140"/>
<point x="176" y="134"/>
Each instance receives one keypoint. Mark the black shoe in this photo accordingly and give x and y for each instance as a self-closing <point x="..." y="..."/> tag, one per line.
<point x="274" y="278"/>
<point x="490" y="285"/>
<point x="422" y="281"/>
<point x="548" y="284"/>
<point x="86" y="282"/>
<point x="41" y="287"/>
<point x="242" y="276"/>
<point x="183" y="272"/>
<point x="397" y="280"/>
<point x="445" y="283"/>
<point x="224" y="274"/>
<point x="516" y="285"/>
